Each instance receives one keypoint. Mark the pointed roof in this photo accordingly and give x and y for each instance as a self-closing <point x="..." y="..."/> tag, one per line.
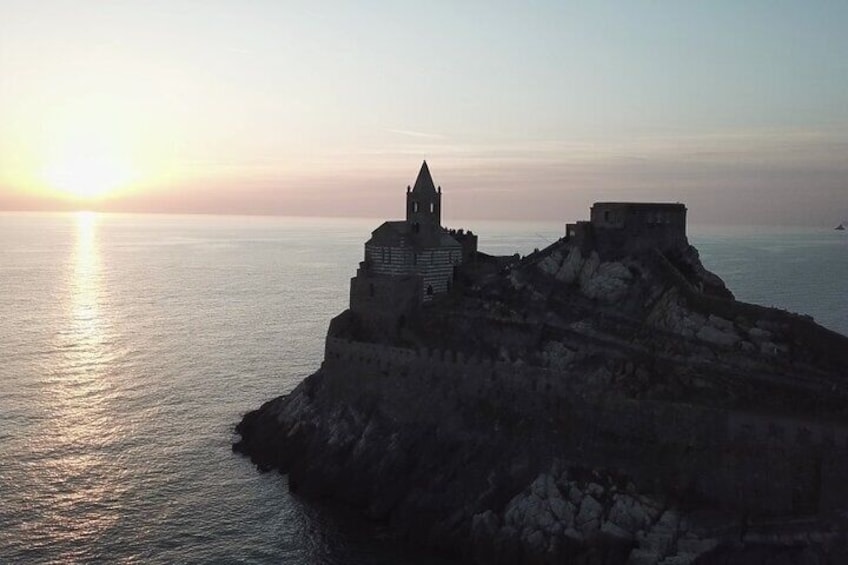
<point x="424" y="182"/>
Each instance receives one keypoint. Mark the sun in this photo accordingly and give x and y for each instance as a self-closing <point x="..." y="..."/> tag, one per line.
<point x="87" y="178"/>
<point x="88" y="171"/>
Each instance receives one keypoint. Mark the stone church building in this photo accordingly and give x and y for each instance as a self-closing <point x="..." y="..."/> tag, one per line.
<point x="409" y="262"/>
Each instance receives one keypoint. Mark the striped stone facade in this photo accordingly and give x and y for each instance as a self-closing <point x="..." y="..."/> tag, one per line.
<point x="407" y="262"/>
<point x="434" y="265"/>
<point x="418" y="246"/>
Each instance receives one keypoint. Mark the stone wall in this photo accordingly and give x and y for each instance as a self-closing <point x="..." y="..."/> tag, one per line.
<point x="468" y="241"/>
<point x="740" y="461"/>
<point x="434" y="264"/>
<point x="618" y="228"/>
<point x="388" y="260"/>
<point x="383" y="304"/>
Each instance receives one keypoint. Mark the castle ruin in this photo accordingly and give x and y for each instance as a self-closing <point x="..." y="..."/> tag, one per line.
<point x="618" y="228"/>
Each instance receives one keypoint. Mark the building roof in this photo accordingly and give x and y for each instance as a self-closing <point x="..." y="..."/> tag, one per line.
<point x="424" y="182"/>
<point x="448" y="241"/>
<point x="640" y="205"/>
<point x="399" y="234"/>
<point x="392" y="229"/>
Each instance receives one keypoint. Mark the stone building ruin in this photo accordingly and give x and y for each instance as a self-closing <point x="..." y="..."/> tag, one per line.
<point x="626" y="227"/>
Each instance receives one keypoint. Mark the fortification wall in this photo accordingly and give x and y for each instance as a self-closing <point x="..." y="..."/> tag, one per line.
<point x="757" y="463"/>
<point x="381" y="303"/>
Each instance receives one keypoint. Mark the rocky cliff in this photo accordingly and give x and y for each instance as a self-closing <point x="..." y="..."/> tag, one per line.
<point x="579" y="406"/>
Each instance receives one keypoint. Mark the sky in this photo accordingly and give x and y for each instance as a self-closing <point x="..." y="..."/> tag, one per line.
<point x="523" y="110"/>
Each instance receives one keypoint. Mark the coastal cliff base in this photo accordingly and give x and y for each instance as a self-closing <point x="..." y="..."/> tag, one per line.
<point x="458" y="487"/>
<point x="579" y="405"/>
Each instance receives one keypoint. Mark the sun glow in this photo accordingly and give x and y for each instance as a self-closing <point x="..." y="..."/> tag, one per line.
<point x="88" y="171"/>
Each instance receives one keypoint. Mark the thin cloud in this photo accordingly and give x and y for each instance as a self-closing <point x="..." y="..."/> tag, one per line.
<point x="419" y="134"/>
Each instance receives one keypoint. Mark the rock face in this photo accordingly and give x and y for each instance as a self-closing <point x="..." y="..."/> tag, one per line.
<point x="579" y="406"/>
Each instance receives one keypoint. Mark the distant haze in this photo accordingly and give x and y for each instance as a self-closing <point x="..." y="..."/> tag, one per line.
<point x="526" y="111"/>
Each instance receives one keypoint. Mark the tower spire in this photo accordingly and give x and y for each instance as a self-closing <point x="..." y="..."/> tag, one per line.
<point x="424" y="204"/>
<point x="424" y="182"/>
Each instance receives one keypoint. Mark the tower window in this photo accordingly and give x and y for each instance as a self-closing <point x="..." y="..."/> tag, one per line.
<point x="432" y="207"/>
<point x="414" y="206"/>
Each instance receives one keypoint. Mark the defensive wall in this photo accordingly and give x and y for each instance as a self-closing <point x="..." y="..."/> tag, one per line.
<point x="761" y="464"/>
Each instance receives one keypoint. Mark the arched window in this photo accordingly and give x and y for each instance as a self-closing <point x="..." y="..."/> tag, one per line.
<point x="414" y="206"/>
<point x="432" y="207"/>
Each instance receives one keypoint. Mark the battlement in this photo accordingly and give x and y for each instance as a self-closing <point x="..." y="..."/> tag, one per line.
<point x="468" y="240"/>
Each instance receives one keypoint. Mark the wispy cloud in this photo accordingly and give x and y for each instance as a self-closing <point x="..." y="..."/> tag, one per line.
<point x="418" y="134"/>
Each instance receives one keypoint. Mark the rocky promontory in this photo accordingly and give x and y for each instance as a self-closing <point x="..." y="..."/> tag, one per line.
<point x="589" y="403"/>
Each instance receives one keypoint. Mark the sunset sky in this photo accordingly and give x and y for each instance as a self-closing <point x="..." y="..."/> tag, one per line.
<point x="523" y="110"/>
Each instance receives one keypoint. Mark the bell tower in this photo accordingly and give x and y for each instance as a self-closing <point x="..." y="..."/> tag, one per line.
<point x="424" y="204"/>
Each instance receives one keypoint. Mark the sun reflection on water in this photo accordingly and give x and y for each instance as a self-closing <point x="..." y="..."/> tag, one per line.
<point x="85" y="287"/>
<point x="83" y="425"/>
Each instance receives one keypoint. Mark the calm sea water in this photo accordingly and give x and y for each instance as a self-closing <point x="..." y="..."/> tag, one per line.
<point x="131" y="345"/>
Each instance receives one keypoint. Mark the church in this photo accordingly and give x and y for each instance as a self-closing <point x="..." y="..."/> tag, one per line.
<point x="409" y="262"/>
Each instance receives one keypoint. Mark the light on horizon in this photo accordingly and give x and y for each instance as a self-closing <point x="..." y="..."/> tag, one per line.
<point x="85" y="170"/>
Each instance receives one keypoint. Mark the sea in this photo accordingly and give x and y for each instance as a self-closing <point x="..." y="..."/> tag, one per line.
<point x="131" y="345"/>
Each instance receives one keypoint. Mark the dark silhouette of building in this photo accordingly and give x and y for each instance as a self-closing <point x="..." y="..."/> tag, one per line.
<point x="409" y="262"/>
<point x="625" y="227"/>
